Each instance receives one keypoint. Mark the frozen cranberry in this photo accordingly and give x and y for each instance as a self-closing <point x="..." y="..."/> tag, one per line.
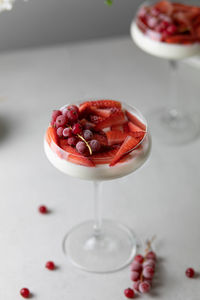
<point x="60" y="131"/>
<point x="72" y="141"/>
<point x="25" y="293"/>
<point x="144" y="287"/>
<point x="61" y="121"/>
<point x="43" y="209"/>
<point x="50" y="265"/>
<point x="129" y="293"/>
<point x="190" y="272"/>
<point x="139" y="258"/>
<point x="87" y="134"/>
<point x="77" y="128"/>
<point x="151" y="255"/>
<point x="67" y="132"/>
<point x="95" y="145"/>
<point x="81" y="147"/>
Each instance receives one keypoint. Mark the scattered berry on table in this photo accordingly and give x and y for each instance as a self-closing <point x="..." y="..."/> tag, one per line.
<point x="144" y="287"/>
<point x="190" y="272"/>
<point x="136" y="266"/>
<point x="135" y="276"/>
<point x="50" y="265"/>
<point x="148" y="272"/>
<point x="43" y="209"/>
<point x="25" y="293"/>
<point x="139" y="258"/>
<point x="151" y="255"/>
<point x="136" y="285"/>
<point x="129" y="293"/>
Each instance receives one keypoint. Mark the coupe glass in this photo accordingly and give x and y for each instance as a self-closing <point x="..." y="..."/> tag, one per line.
<point x="100" y="245"/>
<point x="173" y="124"/>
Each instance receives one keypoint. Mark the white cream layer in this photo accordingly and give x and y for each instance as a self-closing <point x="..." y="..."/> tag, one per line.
<point x="161" y="49"/>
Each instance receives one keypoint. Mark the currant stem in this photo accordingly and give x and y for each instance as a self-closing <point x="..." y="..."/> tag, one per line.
<point x="97" y="209"/>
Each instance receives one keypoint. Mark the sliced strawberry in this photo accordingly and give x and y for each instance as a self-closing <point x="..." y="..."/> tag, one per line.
<point x="125" y="127"/>
<point x="51" y="135"/>
<point x="102" y="112"/>
<point x="164" y="7"/>
<point x="104" y="157"/>
<point x="115" y="137"/>
<point x="136" y="131"/>
<point x="135" y="120"/>
<point x="101" y="138"/>
<point x="83" y="109"/>
<point x="86" y="124"/>
<point x="180" y="39"/>
<point x="75" y="157"/>
<point x="116" y="118"/>
<point x="128" y="145"/>
<point x="117" y="127"/>
<point x="103" y="103"/>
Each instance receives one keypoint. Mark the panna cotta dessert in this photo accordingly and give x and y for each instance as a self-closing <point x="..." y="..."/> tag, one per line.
<point x="97" y="140"/>
<point x="167" y="29"/>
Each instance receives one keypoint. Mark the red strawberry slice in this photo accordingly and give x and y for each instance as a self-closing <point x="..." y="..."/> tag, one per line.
<point x="85" y="123"/>
<point x="101" y="138"/>
<point x="135" y="120"/>
<point x="136" y="131"/>
<point x="115" y="137"/>
<point x="83" y="109"/>
<point x="117" y="127"/>
<point x="102" y="112"/>
<point x="116" y="118"/>
<point x="181" y="39"/>
<point x="103" y="103"/>
<point x="104" y="157"/>
<point x="75" y="157"/>
<point x="128" y="145"/>
<point x="164" y="7"/>
<point x="51" y="135"/>
<point x="125" y="127"/>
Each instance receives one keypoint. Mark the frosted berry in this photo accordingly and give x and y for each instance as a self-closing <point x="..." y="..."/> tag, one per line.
<point x="60" y="131"/>
<point x="73" y="108"/>
<point x="144" y="287"/>
<point x="77" y="128"/>
<point x="95" y="145"/>
<point x="43" y="209"/>
<point x="151" y="255"/>
<point x="129" y="293"/>
<point x="50" y="265"/>
<point x="150" y="263"/>
<point x="71" y="115"/>
<point x="136" y="266"/>
<point x="190" y="272"/>
<point x="61" y="121"/>
<point x="81" y="147"/>
<point x="25" y="293"/>
<point x="67" y="132"/>
<point x="139" y="258"/>
<point x="135" y="276"/>
<point x="72" y="141"/>
<point x="171" y="29"/>
<point x="136" y="285"/>
<point x="87" y="134"/>
<point x="148" y="272"/>
<point x="55" y="114"/>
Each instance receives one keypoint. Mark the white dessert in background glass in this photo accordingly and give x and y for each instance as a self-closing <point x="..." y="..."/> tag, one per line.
<point x="102" y="246"/>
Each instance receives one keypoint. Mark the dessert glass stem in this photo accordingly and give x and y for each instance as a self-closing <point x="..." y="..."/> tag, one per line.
<point x="173" y="109"/>
<point x="97" y="210"/>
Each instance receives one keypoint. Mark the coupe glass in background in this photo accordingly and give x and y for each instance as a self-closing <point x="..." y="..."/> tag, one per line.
<point x="100" y="245"/>
<point x="174" y="124"/>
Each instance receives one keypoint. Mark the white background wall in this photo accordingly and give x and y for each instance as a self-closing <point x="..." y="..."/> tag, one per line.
<point x="43" y="22"/>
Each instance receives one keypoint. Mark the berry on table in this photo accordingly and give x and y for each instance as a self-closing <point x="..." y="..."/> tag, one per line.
<point x="50" y="265"/>
<point x="25" y="293"/>
<point x="190" y="272"/>
<point x="135" y="276"/>
<point x="148" y="272"/>
<point x="42" y="209"/>
<point x="77" y="128"/>
<point x="144" y="287"/>
<point x="129" y="293"/>
<point x="151" y="255"/>
<point x="136" y="285"/>
<point x="136" y="266"/>
<point x="149" y="263"/>
<point x="139" y="258"/>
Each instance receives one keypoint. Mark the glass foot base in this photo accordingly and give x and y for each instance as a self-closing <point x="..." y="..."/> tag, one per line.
<point x="172" y="127"/>
<point x="110" y="251"/>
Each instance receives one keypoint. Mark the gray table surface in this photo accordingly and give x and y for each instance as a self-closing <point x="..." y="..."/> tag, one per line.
<point x="162" y="198"/>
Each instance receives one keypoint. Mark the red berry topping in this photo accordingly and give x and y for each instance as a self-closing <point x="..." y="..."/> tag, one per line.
<point x="129" y="293"/>
<point x="81" y="148"/>
<point x="55" y="114"/>
<point x="95" y="145"/>
<point x="50" y="265"/>
<point x="72" y="141"/>
<point x="25" y="293"/>
<point x="72" y="115"/>
<point x="148" y="272"/>
<point x="77" y="128"/>
<point x="67" y="132"/>
<point x="135" y="276"/>
<point x="190" y="272"/>
<point x="87" y="134"/>
<point x="73" y="108"/>
<point x="60" y="131"/>
<point x="139" y="258"/>
<point x="144" y="287"/>
<point x="43" y="209"/>
<point x="61" y="121"/>
<point x="151" y="255"/>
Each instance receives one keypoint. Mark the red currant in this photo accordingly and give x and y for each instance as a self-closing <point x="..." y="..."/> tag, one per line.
<point x="139" y="258"/>
<point x="190" y="272"/>
<point x="25" y="293"/>
<point x="42" y="209"/>
<point x="129" y="293"/>
<point x="50" y="265"/>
